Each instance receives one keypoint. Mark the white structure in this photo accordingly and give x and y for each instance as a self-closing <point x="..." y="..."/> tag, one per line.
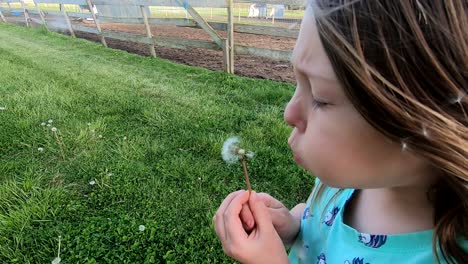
<point x="258" y="10"/>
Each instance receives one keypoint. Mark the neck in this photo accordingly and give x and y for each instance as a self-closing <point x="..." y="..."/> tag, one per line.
<point x="393" y="210"/>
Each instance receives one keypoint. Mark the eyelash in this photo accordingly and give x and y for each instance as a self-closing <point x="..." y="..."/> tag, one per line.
<point x="318" y="104"/>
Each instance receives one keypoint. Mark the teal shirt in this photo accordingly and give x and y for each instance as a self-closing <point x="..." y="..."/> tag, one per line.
<point x="324" y="238"/>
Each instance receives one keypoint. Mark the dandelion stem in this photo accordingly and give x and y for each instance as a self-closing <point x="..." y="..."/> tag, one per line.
<point x="246" y="174"/>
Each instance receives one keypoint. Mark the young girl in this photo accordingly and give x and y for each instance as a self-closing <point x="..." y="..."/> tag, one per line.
<point x="379" y="116"/>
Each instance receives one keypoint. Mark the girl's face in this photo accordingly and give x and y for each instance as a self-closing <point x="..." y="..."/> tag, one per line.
<point x="330" y="138"/>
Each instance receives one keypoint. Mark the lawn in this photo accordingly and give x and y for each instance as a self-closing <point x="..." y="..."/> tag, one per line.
<point x="136" y="146"/>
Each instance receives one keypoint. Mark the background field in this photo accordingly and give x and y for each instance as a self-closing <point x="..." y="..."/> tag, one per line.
<point x="148" y="132"/>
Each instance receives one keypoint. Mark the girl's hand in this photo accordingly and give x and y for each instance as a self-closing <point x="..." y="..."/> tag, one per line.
<point x="287" y="223"/>
<point x="262" y="244"/>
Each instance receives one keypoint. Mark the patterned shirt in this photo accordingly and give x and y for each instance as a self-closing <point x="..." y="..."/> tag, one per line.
<point x="324" y="238"/>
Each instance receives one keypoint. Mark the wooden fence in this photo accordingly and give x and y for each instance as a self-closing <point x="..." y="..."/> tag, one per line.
<point x="218" y="43"/>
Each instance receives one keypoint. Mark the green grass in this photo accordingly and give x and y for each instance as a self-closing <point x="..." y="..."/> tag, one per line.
<point x="167" y="174"/>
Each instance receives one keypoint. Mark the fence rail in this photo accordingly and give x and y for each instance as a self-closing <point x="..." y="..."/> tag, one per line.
<point x="139" y="12"/>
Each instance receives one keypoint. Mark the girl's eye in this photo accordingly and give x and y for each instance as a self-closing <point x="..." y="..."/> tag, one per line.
<point x="318" y="104"/>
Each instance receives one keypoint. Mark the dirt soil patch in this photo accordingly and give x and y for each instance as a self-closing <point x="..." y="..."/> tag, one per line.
<point x="244" y="65"/>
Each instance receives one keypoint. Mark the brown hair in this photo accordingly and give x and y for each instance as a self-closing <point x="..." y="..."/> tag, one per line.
<point x="404" y="65"/>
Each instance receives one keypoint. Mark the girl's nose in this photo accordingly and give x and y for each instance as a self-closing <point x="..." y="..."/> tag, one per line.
<point x="293" y="114"/>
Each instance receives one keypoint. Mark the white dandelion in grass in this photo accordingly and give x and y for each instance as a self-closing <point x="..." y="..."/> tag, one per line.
<point x="100" y="136"/>
<point x="53" y="129"/>
<point x="88" y="124"/>
<point x="2" y="108"/>
<point x="232" y="152"/>
<point x="92" y="182"/>
<point x="50" y="121"/>
<point x="40" y="149"/>
<point x="43" y="124"/>
<point x="141" y="228"/>
<point x="49" y="125"/>
<point x="124" y="138"/>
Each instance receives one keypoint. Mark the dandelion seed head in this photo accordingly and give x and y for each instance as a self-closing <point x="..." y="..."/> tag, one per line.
<point x="199" y="178"/>
<point x="2" y="108"/>
<point x="92" y="182"/>
<point x="49" y="125"/>
<point x="43" y="124"/>
<point x="141" y="228"/>
<point x="56" y="260"/>
<point x="124" y="138"/>
<point x="54" y="129"/>
<point x="40" y="149"/>
<point x="100" y="136"/>
<point x="50" y="121"/>
<point x="241" y="152"/>
<point x="88" y="124"/>
<point x="230" y="147"/>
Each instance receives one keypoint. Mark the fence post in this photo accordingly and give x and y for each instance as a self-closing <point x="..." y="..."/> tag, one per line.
<point x="41" y="15"/>
<point x="226" y="55"/>
<point x="148" y="30"/>
<point x="96" y="22"/>
<point x="230" y="36"/>
<point x="3" y="17"/>
<point x="26" y="15"/>
<point x="62" y="7"/>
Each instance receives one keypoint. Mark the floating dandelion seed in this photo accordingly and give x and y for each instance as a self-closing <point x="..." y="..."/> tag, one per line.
<point x="404" y="146"/>
<point x="232" y="152"/>
<point x="425" y="132"/>
<point x="458" y="99"/>
<point x="2" y="108"/>
<point x="54" y="129"/>
<point x="92" y="182"/>
<point x="40" y="149"/>
<point x="50" y="121"/>
<point x="141" y="228"/>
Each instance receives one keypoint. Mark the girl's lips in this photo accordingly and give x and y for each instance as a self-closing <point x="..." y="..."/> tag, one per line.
<point x="297" y="159"/>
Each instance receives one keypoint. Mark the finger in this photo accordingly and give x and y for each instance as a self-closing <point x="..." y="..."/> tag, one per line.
<point x="232" y="221"/>
<point x="247" y="217"/>
<point x="218" y="217"/>
<point x="269" y="201"/>
<point x="260" y="213"/>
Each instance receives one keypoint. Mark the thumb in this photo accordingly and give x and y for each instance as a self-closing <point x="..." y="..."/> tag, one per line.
<point x="260" y="212"/>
